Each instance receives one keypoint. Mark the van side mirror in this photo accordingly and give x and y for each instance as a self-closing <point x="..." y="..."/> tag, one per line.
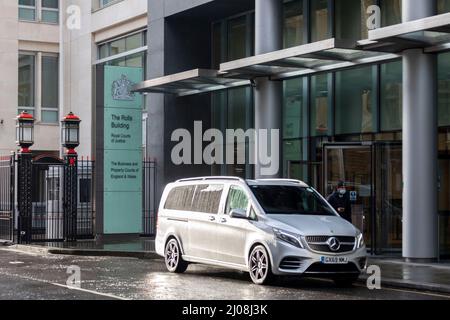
<point x="238" y="214"/>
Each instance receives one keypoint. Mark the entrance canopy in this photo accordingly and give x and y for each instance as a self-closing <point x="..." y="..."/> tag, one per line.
<point x="190" y="82"/>
<point x="326" y="55"/>
<point x="431" y="33"/>
<point x="323" y="56"/>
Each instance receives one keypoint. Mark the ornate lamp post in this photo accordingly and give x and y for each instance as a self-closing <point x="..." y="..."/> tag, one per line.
<point x="70" y="127"/>
<point x="25" y="139"/>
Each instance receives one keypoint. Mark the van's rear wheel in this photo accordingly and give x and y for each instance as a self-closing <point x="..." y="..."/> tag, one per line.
<point x="174" y="261"/>
<point x="259" y="265"/>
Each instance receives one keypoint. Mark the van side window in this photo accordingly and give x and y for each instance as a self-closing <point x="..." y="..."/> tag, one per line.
<point x="180" y="198"/>
<point x="237" y="199"/>
<point x="207" y="198"/>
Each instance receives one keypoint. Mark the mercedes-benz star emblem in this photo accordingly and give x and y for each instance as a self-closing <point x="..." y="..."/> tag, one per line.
<point x="334" y="244"/>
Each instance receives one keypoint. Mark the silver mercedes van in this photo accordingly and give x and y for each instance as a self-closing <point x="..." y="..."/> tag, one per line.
<point x="264" y="227"/>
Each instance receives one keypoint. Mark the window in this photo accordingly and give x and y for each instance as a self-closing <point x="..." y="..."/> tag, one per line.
<point x="47" y="64"/>
<point x="320" y="26"/>
<point x="351" y="17"/>
<point x="291" y="200"/>
<point x="391" y="96"/>
<point x="122" y="46"/>
<point x="98" y="4"/>
<point x="49" y="11"/>
<point x="294" y="23"/>
<point x="320" y="97"/>
<point x="49" y="94"/>
<point x="27" y="10"/>
<point x="46" y="11"/>
<point x="207" y="198"/>
<point x="180" y="198"/>
<point x="237" y="199"/>
<point x="391" y="12"/>
<point x="26" y="82"/>
<point x="444" y="89"/>
<point x="356" y="100"/>
<point x="443" y="6"/>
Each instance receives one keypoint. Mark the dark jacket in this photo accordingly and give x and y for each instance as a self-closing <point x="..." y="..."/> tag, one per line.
<point x="338" y="201"/>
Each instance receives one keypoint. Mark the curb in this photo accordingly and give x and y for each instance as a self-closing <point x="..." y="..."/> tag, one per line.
<point x="104" y="253"/>
<point x="402" y="284"/>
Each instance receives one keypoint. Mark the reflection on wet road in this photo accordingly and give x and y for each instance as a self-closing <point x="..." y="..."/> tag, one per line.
<point x="32" y="276"/>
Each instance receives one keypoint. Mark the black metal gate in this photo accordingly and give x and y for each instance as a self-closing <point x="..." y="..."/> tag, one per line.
<point x="7" y="195"/>
<point x="47" y="202"/>
<point x="149" y="198"/>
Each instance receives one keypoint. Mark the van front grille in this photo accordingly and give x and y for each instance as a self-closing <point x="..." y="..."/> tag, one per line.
<point x="320" y="244"/>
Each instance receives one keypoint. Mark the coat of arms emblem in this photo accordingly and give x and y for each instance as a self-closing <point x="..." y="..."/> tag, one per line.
<point x="121" y="89"/>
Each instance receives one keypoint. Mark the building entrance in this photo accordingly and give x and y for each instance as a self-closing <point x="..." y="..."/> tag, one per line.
<point x="373" y="175"/>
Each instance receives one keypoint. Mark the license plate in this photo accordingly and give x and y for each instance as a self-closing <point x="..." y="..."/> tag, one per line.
<point x="334" y="260"/>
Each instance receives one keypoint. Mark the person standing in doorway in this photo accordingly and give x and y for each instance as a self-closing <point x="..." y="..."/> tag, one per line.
<point x="340" y="201"/>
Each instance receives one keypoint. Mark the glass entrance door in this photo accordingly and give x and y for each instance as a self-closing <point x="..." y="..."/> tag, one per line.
<point x="353" y="165"/>
<point x="389" y="200"/>
<point x="373" y="175"/>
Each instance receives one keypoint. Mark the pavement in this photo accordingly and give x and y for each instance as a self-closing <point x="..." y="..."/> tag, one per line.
<point x="41" y="276"/>
<point x="395" y="273"/>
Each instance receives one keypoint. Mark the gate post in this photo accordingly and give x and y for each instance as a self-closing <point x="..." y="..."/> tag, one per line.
<point x="70" y="127"/>
<point x="24" y="197"/>
<point x="70" y="200"/>
<point x="25" y="139"/>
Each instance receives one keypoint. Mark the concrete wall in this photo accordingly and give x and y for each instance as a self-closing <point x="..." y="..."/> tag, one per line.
<point x="9" y="47"/>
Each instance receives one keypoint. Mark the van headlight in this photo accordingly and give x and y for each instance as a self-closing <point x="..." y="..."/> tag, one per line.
<point x="360" y="241"/>
<point x="288" y="237"/>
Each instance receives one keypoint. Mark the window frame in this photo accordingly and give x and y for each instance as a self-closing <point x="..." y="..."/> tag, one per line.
<point x="38" y="109"/>
<point x="43" y="109"/>
<point x="33" y="108"/>
<point x="227" y="197"/>
<point x="38" y="10"/>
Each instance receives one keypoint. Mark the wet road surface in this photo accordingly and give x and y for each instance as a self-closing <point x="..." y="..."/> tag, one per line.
<point x="36" y="276"/>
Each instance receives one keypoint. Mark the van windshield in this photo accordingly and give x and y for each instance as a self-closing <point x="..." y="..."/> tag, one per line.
<point x="291" y="200"/>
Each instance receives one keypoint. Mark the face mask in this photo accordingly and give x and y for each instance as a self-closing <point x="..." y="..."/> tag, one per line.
<point x="342" y="191"/>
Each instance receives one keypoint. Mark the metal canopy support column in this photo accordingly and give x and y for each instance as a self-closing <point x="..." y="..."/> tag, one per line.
<point x="268" y="94"/>
<point x="420" y="205"/>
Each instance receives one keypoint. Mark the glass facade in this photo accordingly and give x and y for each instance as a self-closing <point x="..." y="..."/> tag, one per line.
<point x="233" y="109"/>
<point x="356" y="101"/>
<point x="340" y="125"/>
<point x="123" y="45"/>
<point x="391" y="96"/>
<point x="294" y="23"/>
<point x="320" y="20"/>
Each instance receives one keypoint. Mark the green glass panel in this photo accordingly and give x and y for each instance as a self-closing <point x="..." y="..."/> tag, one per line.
<point x="320" y="29"/>
<point x="320" y="105"/>
<point x="356" y="101"/>
<point x="444" y="89"/>
<point x="294" y="23"/>
<point x="391" y="96"/>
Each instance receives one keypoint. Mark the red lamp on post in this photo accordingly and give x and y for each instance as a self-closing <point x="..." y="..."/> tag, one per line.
<point x="25" y="131"/>
<point x="70" y="133"/>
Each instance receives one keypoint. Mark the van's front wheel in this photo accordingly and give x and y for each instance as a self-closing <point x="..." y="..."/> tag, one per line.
<point x="259" y="265"/>
<point x="173" y="259"/>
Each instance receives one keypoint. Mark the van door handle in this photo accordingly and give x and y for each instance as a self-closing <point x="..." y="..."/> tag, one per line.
<point x="223" y="220"/>
<point x="211" y="218"/>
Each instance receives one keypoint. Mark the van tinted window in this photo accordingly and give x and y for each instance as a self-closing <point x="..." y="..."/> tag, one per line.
<point x="180" y="198"/>
<point x="207" y="198"/>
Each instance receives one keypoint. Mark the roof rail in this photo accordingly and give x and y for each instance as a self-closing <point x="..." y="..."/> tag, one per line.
<point x="286" y="180"/>
<point x="212" y="178"/>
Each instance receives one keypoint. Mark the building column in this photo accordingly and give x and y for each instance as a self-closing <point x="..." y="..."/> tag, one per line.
<point x="420" y="154"/>
<point x="268" y="94"/>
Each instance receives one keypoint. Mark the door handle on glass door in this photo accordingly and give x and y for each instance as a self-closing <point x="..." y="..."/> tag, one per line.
<point x="223" y="220"/>
<point x="211" y="218"/>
